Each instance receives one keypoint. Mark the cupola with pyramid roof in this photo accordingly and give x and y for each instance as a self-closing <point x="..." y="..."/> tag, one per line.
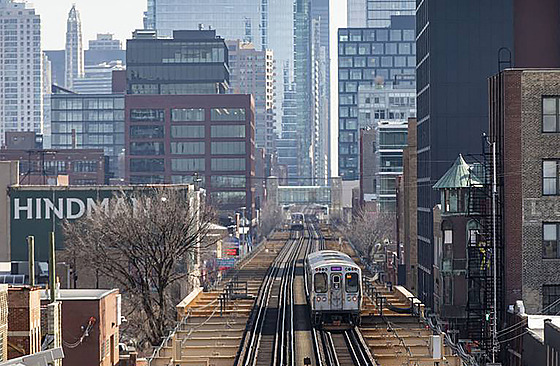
<point x="454" y="187"/>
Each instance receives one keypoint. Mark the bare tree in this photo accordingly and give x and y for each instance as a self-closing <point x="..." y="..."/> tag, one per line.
<point x="371" y="228"/>
<point x="271" y="216"/>
<point x="146" y="245"/>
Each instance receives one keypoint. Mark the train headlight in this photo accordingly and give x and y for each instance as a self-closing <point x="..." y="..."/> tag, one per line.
<point x="348" y="298"/>
<point x="318" y="299"/>
<point x="324" y="299"/>
<point x="355" y="298"/>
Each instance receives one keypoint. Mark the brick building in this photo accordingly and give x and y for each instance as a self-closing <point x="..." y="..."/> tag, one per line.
<point x="525" y="123"/>
<point x="53" y="166"/>
<point x="454" y="230"/>
<point x="173" y="138"/>
<point x="406" y="210"/>
<point x="98" y="312"/>
<point x="3" y="323"/>
<point x="24" y="321"/>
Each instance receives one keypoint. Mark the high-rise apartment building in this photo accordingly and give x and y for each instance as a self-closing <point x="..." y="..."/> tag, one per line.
<point x="105" y="41"/>
<point x="74" y="48"/>
<point x="192" y="62"/>
<point x="21" y="100"/>
<point x="377" y="13"/>
<point x="252" y="72"/>
<point x="370" y="58"/>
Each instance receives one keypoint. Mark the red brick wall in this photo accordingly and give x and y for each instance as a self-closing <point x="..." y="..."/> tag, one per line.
<point x="24" y="321"/>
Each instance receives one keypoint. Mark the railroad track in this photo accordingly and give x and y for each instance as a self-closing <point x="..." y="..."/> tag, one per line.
<point x="271" y="338"/>
<point x="339" y="348"/>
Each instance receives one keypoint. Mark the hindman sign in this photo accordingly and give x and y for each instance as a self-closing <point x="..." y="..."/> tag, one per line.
<point x="37" y="212"/>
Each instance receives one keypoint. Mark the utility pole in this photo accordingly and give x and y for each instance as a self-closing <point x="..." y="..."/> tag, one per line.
<point x="494" y="256"/>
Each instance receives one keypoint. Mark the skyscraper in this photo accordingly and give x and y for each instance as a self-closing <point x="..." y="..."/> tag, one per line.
<point x="370" y="57"/>
<point x="74" y="48"/>
<point x="252" y="72"/>
<point x="377" y="13"/>
<point x="452" y="99"/>
<point x="21" y="102"/>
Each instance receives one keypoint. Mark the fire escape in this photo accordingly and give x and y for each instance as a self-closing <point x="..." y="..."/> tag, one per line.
<point x="480" y="261"/>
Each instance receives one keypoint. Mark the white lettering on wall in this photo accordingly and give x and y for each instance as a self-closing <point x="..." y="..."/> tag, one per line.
<point x="92" y="206"/>
<point x="58" y="211"/>
<point x="28" y="208"/>
<point x="69" y="205"/>
<point x="38" y="208"/>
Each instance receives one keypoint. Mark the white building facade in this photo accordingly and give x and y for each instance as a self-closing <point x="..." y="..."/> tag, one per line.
<point x="21" y="102"/>
<point x="74" y="48"/>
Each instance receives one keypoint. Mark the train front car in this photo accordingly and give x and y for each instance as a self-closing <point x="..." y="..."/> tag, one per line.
<point x="334" y="284"/>
<point x="297" y="222"/>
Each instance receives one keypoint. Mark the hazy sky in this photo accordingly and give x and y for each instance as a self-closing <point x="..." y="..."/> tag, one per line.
<point x="120" y="17"/>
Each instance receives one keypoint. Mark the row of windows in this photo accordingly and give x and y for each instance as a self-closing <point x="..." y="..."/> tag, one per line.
<point x="353" y="49"/>
<point x="87" y="103"/>
<point x="380" y="35"/>
<point x="187" y="115"/>
<point x="70" y="116"/>
<point x="186" y="164"/>
<point x="187" y="131"/>
<point x="373" y="74"/>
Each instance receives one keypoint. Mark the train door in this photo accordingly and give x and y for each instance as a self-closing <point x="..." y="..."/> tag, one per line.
<point x="336" y="291"/>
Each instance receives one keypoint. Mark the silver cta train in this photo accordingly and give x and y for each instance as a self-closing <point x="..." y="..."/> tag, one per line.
<point x="334" y="288"/>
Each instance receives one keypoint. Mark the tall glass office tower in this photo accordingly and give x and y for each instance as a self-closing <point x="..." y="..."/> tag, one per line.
<point x="281" y="25"/>
<point x="377" y="13"/>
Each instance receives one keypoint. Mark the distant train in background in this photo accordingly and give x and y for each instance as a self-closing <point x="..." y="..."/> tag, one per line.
<point x="297" y="221"/>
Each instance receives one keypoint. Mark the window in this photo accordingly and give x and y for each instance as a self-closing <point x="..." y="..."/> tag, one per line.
<point x="188" y="148"/>
<point x="187" y="115"/>
<point x="147" y="165"/>
<point x="188" y="179"/>
<point x="228" y="148"/>
<point x="146" y="179"/>
<point x="147" y="115"/>
<point x="550" y="240"/>
<point x="234" y="181"/>
<point x="550" y="177"/>
<point x="147" y="132"/>
<point x="187" y="131"/>
<point x="228" y="131"/>
<point x="228" y="197"/>
<point x="81" y="166"/>
<point x="187" y="165"/>
<point x="228" y="114"/>
<point x="320" y="280"/>
<point x="447" y="236"/>
<point x="352" y="282"/>
<point x="551" y="295"/>
<point x="550" y="110"/>
<point x="228" y="164"/>
<point x="146" y="148"/>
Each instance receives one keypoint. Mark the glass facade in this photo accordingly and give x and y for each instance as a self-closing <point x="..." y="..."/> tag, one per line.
<point x="377" y="13"/>
<point x="92" y="122"/>
<point x="373" y="58"/>
<point x="193" y="62"/>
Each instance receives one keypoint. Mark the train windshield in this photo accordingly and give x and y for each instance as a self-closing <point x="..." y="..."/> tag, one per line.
<point x="320" y="282"/>
<point x="352" y="282"/>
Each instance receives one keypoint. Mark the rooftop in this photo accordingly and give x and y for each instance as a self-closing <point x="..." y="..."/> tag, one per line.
<point x="79" y="294"/>
<point x="458" y="176"/>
